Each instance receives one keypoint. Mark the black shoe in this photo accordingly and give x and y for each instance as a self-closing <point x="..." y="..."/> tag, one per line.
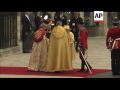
<point x="82" y="70"/>
<point x="116" y="73"/>
<point x="57" y="72"/>
<point x="87" y="71"/>
<point x="24" y="52"/>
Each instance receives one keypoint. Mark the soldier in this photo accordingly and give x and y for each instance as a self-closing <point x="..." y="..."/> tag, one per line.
<point x="74" y="28"/>
<point x="83" y="45"/>
<point x="113" y="43"/>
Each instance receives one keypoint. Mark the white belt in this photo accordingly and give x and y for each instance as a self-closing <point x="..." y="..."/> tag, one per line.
<point x="117" y="39"/>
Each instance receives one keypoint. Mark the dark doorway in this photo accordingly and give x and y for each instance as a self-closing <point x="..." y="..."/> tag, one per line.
<point x="8" y="29"/>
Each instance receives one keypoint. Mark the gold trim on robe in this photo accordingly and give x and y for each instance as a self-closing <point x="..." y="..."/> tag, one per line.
<point x="39" y="55"/>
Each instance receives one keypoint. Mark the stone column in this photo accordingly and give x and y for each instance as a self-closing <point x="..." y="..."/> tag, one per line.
<point x="52" y="15"/>
<point x="103" y="27"/>
<point x="82" y="15"/>
<point x="18" y="26"/>
<point x="91" y="18"/>
<point x="105" y="23"/>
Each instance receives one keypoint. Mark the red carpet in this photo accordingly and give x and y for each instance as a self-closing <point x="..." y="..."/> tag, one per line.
<point x="23" y="71"/>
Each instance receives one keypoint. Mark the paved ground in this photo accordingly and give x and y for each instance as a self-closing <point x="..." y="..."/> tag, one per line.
<point x="104" y="75"/>
<point x="98" y="56"/>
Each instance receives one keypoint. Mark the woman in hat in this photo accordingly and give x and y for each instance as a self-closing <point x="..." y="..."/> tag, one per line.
<point x="71" y="42"/>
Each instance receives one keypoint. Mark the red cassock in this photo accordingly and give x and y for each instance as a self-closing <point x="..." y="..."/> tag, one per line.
<point x="39" y="35"/>
<point x="112" y="35"/>
<point x="83" y="38"/>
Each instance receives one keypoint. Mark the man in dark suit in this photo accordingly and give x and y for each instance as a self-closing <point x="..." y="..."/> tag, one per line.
<point x="63" y="18"/>
<point x="37" y="20"/>
<point x="56" y="17"/>
<point x="26" y="25"/>
<point x="32" y="16"/>
<point x="74" y="28"/>
<point x="60" y="16"/>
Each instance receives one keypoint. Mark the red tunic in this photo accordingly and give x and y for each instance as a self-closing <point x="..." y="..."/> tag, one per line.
<point x="113" y="34"/>
<point x="83" y="38"/>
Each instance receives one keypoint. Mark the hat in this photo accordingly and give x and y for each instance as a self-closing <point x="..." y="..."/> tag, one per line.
<point x="115" y="20"/>
<point x="66" y="27"/>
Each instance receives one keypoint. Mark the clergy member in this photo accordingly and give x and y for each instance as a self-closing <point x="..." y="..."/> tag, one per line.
<point x="59" y="51"/>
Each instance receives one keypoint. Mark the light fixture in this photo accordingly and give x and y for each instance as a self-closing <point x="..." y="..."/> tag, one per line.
<point x="69" y="20"/>
<point x="40" y="16"/>
<point x="69" y="12"/>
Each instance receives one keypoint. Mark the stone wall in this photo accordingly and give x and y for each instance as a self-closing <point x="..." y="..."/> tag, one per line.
<point x="16" y="48"/>
<point x="92" y="31"/>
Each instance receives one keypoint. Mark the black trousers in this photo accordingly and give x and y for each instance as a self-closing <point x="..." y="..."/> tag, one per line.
<point x="76" y="40"/>
<point x="115" y="60"/>
<point x="83" y="64"/>
<point x="27" y="43"/>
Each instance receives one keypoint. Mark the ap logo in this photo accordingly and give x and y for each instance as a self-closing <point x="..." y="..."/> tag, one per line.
<point x="98" y="16"/>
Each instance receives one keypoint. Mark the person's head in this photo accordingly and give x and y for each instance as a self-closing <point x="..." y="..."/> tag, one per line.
<point x="37" y="13"/>
<point x="27" y="13"/>
<point x="66" y="27"/>
<point x="115" y="21"/>
<point x="76" y="14"/>
<point x="58" y="23"/>
<point x="80" y="24"/>
<point x="43" y="26"/>
<point x="62" y="13"/>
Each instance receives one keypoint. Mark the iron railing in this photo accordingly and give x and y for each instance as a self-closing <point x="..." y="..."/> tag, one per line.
<point x="8" y="29"/>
